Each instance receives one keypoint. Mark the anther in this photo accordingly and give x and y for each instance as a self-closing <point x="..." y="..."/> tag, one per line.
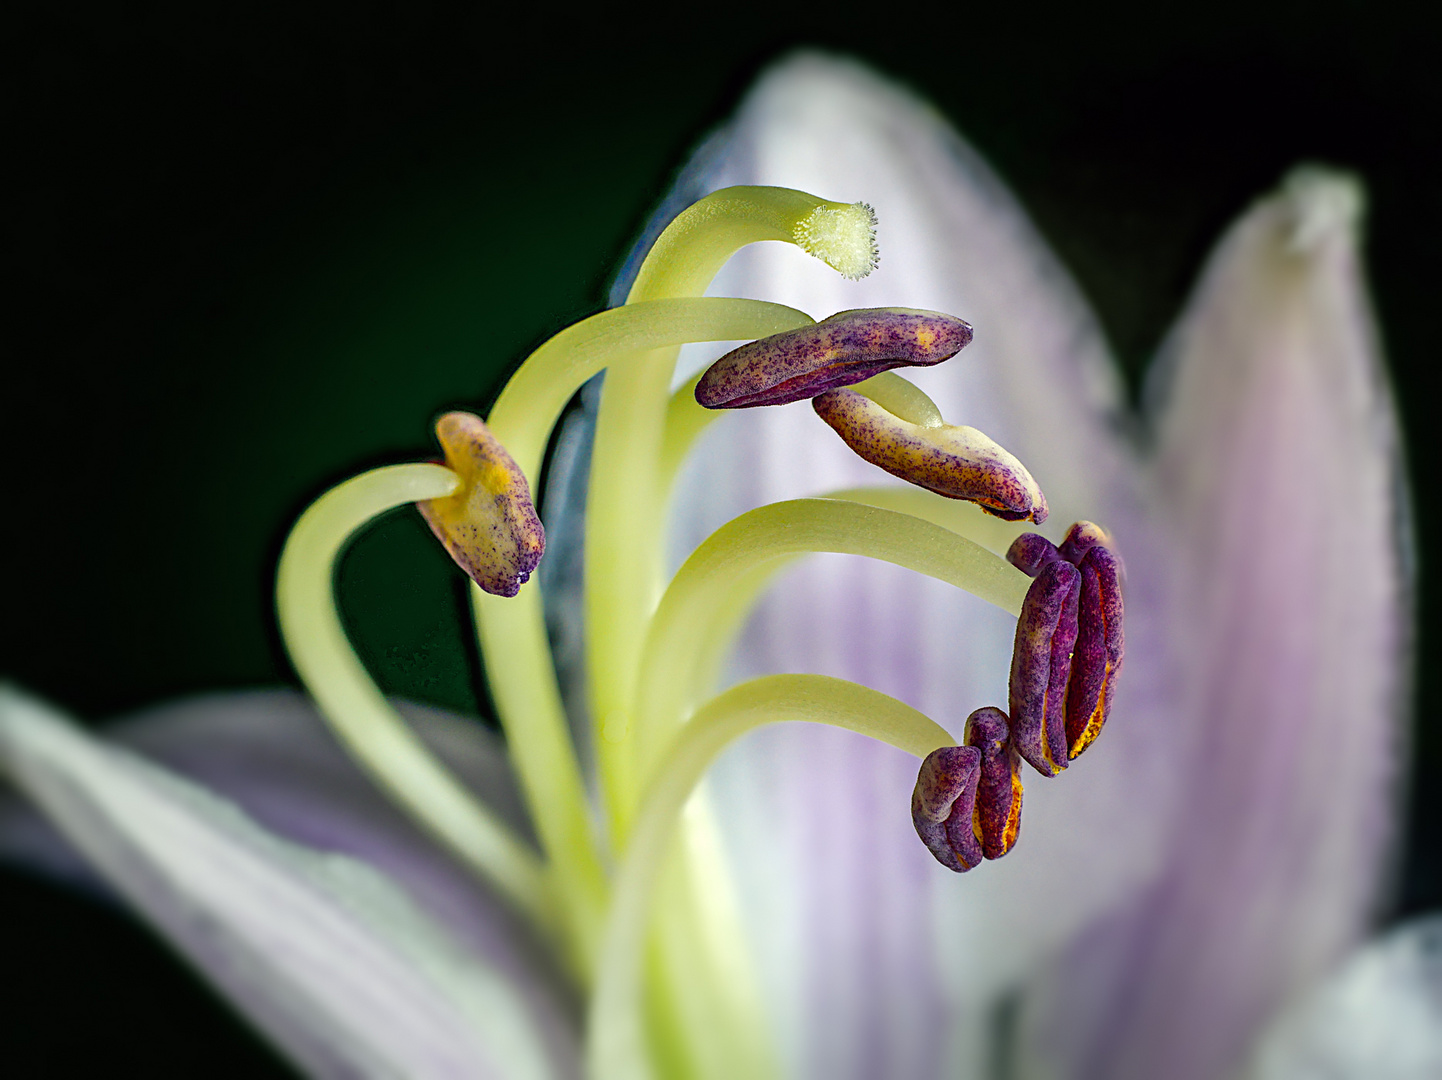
<point x="1100" y="643"/>
<point x="1100" y="646"/>
<point x="843" y="349"/>
<point x="1029" y="552"/>
<point x="489" y="526"/>
<point x="1079" y="539"/>
<point x="954" y="461"/>
<point x="1046" y="632"/>
<point x="998" y="791"/>
<point x="943" y="804"/>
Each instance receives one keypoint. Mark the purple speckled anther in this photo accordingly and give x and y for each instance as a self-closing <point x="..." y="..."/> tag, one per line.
<point x="1079" y="539"/>
<point x="1046" y="631"/>
<point x="1100" y="646"/>
<point x="943" y="804"/>
<point x="489" y="526"/>
<point x="952" y="460"/>
<point x="998" y="792"/>
<point x="846" y="348"/>
<point x="1029" y="552"/>
<point x="1100" y="642"/>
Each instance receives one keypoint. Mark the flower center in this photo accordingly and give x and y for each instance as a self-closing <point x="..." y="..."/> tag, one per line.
<point x="612" y="881"/>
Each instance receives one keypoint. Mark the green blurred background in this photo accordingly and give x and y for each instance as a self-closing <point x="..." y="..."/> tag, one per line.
<point x="249" y="254"/>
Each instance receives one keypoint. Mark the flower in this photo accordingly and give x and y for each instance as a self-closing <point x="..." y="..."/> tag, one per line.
<point x="1212" y="857"/>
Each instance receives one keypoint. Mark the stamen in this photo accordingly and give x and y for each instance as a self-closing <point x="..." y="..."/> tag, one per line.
<point x="1100" y="645"/>
<point x="954" y="461"/>
<point x="1046" y="631"/>
<point x="998" y="792"/>
<point x="489" y="526"/>
<point x="846" y="348"/>
<point x="943" y="806"/>
<point x="966" y="805"/>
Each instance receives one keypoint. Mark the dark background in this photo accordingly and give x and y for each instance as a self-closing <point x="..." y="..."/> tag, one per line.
<point x="248" y="255"/>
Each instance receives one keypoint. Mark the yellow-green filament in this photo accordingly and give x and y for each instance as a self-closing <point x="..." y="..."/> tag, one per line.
<point x="963" y="518"/>
<point x="512" y="632"/>
<point x="616" y="1043"/>
<point x="375" y="734"/>
<point x="519" y="670"/>
<point x="685" y="421"/>
<point x="718" y="582"/>
<point x="900" y="398"/>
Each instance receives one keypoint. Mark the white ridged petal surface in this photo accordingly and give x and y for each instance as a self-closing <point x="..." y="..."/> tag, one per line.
<point x="332" y="959"/>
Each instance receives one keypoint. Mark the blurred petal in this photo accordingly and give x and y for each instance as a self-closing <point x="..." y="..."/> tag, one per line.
<point x="1378" y="1018"/>
<point x="1279" y="483"/>
<point x="875" y="958"/>
<point x="328" y="956"/>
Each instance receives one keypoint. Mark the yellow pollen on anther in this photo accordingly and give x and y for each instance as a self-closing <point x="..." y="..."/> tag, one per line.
<point x="1013" y="817"/>
<point x="1094" y="721"/>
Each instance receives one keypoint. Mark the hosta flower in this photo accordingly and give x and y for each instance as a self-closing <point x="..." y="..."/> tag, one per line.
<point x="577" y="902"/>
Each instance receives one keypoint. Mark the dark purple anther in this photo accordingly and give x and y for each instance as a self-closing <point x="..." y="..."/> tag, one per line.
<point x="1100" y="646"/>
<point x="846" y="348"/>
<point x="943" y="804"/>
<point x="998" y="791"/>
<point x="1046" y="631"/>
<point x="1029" y="552"/>
<point x="1080" y="539"/>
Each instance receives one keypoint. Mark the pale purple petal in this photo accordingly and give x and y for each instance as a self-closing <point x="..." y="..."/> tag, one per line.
<point x="1377" y="1018"/>
<point x="1279" y="483"/>
<point x="350" y="973"/>
<point x="878" y="961"/>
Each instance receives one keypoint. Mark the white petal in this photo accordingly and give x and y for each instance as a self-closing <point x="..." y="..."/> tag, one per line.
<point x="329" y="957"/>
<point x="1378" y="1018"/>
<point x="878" y="961"/>
<point x="1279" y="482"/>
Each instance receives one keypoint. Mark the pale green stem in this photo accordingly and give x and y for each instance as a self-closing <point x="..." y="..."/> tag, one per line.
<point x="685" y="421"/>
<point x="703" y="1015"/>
<point x="375" y="734"/>
<point x="719" y="581"/>
<point x="514" y="646"/>
<point x="900" y="398"/>
<point x="616" y="1042"/>
<point x="625" y="519"/>
<point x="963" y="518"/>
